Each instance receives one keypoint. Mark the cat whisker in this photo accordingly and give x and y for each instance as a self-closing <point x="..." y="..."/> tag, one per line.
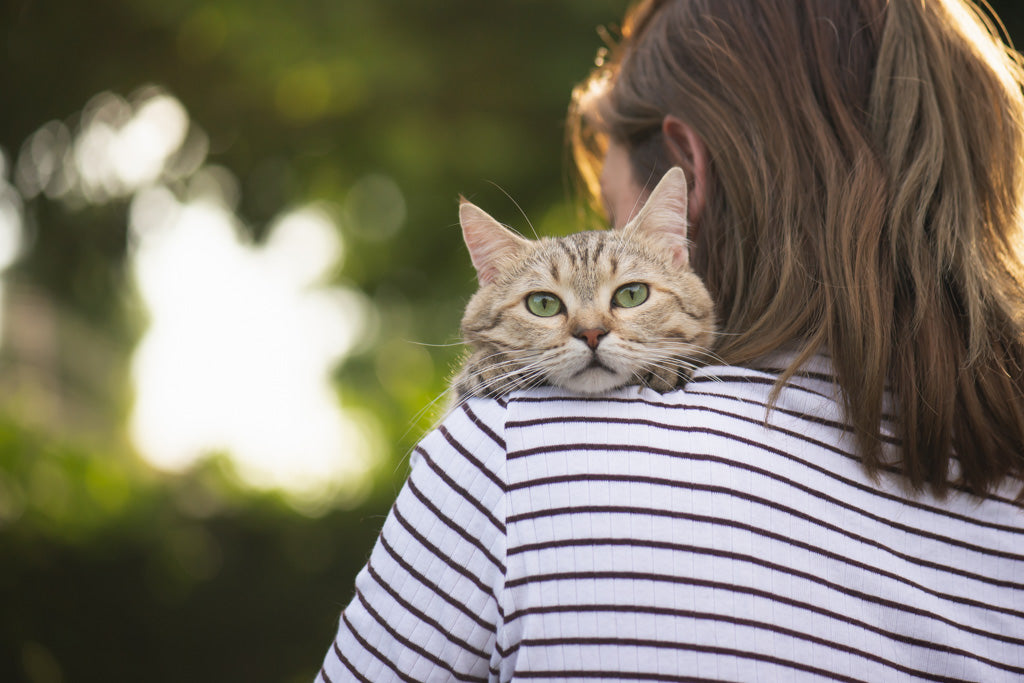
<point x="458" y="404"/>
<point x="497" y="318"/>
<point x="641" y="198"/>
<point x="691" y="357"/>
<point x="638" y="378"/>
<point x="522" y="362"/>
<point x="677" y="365"/>
<point x="458" y="343"/>
<point x="525" y="217"/>
<point x="483" y="389"/>
<point x="510" y="359"/>
<point x="687" y="357"/>
<point x="687" y="348"/>
<point x="521" y="374"/>
<point x="418" y="416"/>
<point x="684" y="364"/>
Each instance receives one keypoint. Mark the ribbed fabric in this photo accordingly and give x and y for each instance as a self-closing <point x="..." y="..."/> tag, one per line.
<point x="645" y="537"/>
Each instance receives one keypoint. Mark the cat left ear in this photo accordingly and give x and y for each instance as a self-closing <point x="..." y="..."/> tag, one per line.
<point x="489" y="242"/>
<point x="663" y="216"/>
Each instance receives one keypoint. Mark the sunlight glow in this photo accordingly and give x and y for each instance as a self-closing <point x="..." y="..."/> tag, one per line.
<point x="985" y="36"/>
<point x="241" y="344"/>
<point x="242" y="338"/>
<point x="10" y="228"/>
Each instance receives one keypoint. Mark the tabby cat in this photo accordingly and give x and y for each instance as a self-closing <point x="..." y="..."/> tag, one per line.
<point x="588" y="312"/>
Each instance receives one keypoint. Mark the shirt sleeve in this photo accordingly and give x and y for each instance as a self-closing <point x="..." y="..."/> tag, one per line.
<point x="426" y="604"/>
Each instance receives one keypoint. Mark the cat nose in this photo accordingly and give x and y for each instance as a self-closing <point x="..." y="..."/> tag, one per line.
<point x="592" y="336"/>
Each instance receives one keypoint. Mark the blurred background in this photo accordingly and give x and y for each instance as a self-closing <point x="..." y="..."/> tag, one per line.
<point x="231" y="278"/>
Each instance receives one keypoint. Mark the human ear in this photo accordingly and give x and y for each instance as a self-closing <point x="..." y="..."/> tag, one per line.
<point x="687" y="149"/>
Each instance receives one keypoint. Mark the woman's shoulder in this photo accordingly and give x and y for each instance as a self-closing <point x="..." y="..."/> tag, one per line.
<point x="755" y="419"/>
<point x="752" y="414"/>
<point x="757" y="390"/>
<point x="469" y="442"/>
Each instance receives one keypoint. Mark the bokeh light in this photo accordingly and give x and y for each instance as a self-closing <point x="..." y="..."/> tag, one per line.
<point x="240" y="346"/>
<point x="375" y="208"/>
<point x="120" y="146"/>
<point x="241" y="337"/>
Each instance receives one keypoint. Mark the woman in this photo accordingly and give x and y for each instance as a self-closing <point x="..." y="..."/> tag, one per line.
<point x="842" y="498"/>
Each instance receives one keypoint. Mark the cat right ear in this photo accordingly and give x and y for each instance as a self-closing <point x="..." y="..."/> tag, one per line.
<point x="663" y="216"/>
<point x="490" y="243"/>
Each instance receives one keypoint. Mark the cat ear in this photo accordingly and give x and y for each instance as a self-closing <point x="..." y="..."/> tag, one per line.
<point x="663" y="216"/>
<point x="489" y="242"/>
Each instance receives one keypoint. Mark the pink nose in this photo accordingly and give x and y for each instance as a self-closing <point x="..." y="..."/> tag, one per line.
<point x="592" y="336"/>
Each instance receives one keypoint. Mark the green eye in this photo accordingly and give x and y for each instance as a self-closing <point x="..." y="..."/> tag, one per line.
<point x="544" y="304"/>
<point x="630" y="295"/>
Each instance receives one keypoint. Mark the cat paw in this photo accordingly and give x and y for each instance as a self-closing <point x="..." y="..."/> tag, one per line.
<point x="662" y="382"/>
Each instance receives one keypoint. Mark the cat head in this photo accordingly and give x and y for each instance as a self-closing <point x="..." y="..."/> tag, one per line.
<point x="590" y="311"/>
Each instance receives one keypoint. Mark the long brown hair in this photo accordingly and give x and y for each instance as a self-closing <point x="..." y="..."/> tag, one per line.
<point x="864" y="197"/>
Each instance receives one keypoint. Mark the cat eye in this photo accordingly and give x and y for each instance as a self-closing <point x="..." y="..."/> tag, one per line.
<point x="544" y="304"/>
<point x="628" y="296"/>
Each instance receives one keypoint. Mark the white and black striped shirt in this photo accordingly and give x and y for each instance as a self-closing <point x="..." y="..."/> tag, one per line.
<point x="645" y="537"/>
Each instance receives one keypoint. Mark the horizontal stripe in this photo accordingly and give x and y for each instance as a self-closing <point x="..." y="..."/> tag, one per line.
<point x="833" y="424"/>
<point x="990" y="496"/>
<point x="603" y="419"/>
<point x="773" y="566"/>
<point x="703" y="649"/>
<point x="462" y="491"/>
<point x="747" y="590"/>
<point x="654" y="611"/>
<point x="693" y="647"/>
<point x="745" y="380"/>
<point x="813" y="419"/>
<point x="805" y="417"/>
<point x="874" y="491"/>
<point x="814" y="570"/>
<point x="811" y="491"/>
<point x="619" y="676"/>
<point x="870" y="490"/>
<point x="673" y="514"/>
<point x="754" y="380"/>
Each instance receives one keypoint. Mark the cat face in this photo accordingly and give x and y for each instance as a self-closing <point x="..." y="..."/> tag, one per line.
<point x="588" y="312"/>
<point x="592" y="312"/>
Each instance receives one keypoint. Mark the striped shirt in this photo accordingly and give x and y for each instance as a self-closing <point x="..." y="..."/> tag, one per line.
<point x="688" y="536"/>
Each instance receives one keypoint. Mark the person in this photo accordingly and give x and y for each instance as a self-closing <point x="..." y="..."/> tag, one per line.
<point x="841" y="498"/>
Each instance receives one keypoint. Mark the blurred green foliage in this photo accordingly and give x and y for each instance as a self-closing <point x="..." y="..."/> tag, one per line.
<point x="110" y="571"/>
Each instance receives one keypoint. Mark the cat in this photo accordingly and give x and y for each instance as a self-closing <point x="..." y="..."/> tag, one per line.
<point x="589" y="312"/>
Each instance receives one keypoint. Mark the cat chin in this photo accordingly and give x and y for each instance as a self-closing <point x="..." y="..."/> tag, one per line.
<point x="594" y="381"/>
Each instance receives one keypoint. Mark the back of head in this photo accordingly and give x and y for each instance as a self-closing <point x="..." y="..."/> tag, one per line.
<point x="867" y="161"/>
